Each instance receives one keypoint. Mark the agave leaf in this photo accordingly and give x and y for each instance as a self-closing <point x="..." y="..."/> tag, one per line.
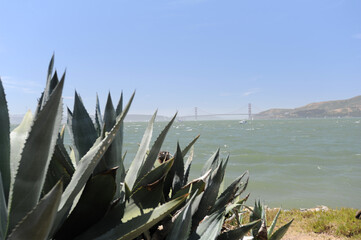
<point x="17" y="139"/>
<point x="178" y="168"/>
<point x="82" y="129"/>
<point x="110" y="220"/>
<point x="154" y="175"/>
<point x="212" y="162"/>
<point x="4" y="142"/>
<point x="182" y="224"/>
<point x="187" y="166"/>
<point x="98" y="117"/>
<point x="49" y="88"/>
<point x="110" y="157"/>
<point x="174" y="179"/>
<point x="118" y="141"/>
<point x="231" y="192"/>
<point x="36" y="155"/>
<point x="195" y="185"/>
<point x="256" y="215"/>
<point x="149" y="190"/>
<point x="37" y="224"/>
<point x="153" y="153"/>
<point x="210" y="227"/>
<point x="281" y="231"/>
<point x="86" y="166"/>
<point x="133" y="171"/>
<point x="210" y="193"/>
<point x="189" y="146"/>
<point x="273" y="225"/>
<point x="136" y="226"/>
<point x="238" y="233"/>
<point x="91" y="207"/>
<point x="3" y="211"/>
<point x="45" y="95"/>
<point x="60" y="167"/>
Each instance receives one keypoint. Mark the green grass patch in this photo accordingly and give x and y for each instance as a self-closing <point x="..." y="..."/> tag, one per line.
<point x="334" y="222"/>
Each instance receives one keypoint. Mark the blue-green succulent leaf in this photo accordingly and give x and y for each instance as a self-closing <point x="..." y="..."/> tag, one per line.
<point x="233" y="190"/>
<point x="154" y="151"/>
<point x="36" y="155"/>
<point x="3" y="211"/>
<point x="98" y="117"/>
<point x="210" y="227"/>
<point x="140" y="156"/>
<point x="211" y="163"/>
<point x="278" y="235"/>
<point x="82" y="127"/>
<point x="189" y="146"/>
<point x="182" y="225"/>
<point x="4" y="142"/>
<point x="18" y="137"/>
<point x="238" y="233"/>
<point x="37" y="224"/>
<point x="211" y="192"/>
<point x="136" y="226"/>
<point x="86" y="166"/>
<point x="273" y="225"/>
<point x="94" y="202"/>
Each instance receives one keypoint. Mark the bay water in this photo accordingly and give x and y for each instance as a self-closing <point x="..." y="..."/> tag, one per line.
<point x="298" y="163"/>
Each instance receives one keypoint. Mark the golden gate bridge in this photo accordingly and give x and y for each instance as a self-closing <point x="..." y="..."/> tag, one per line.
<point x="197" y="114"/>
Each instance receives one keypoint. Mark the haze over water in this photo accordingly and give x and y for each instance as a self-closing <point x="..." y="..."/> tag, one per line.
<point x="292" y="163"/>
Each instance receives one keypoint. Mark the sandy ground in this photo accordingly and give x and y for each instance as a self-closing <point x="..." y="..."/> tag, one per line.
<point x="308" y="236"/>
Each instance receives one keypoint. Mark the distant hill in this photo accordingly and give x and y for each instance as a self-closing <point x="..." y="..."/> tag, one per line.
<point x="340" y="108"/>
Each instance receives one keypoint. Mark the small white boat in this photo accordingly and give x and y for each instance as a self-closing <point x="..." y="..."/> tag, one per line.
<point x="243" y="121"/>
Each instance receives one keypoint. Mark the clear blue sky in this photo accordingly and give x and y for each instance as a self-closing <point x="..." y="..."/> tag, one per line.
<point x="216" y="55"/>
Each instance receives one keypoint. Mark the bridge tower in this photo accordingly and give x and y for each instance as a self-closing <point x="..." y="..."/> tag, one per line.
<point x="196" y="113"/>
<point x="249" y="111"/>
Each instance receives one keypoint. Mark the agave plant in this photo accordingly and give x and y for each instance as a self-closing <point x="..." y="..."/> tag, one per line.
<point x="50" y="191"/>
<point x="260" y="231"/>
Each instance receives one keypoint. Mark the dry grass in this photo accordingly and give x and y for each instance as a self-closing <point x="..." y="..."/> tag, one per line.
<point x="333" y="223"/>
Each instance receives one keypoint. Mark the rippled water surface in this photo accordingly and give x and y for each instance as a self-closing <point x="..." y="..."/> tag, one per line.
<point x="292" y="163"/>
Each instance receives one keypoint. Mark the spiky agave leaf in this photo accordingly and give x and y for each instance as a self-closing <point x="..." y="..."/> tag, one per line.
<point x="3" y="211"/>
<point x="189" y="146"/>
<point x="238" y="233"/>
<point x="174" y="179"/>
<point x="133" y="228"/>
<point x="86" y="166"/>
<point x="210" y="227"/>
<point x="60" y="167"/>
<point x="256" y="215"/>
<point x="211" y="192"/>
<point x="273" y="225"/>
<point x="82" y="128"/>
<point x="18" y="137"/>
<point x="45" y="95"/>
<point x="133" y="171"/>
<point x="148" y="192"/>
<point x="95" y="200"/>
<point x="212" y="162"/>
<point x="278" y="235"/>
<point x="153" y="153"/>
<point x="232" y="191"/>
<point x="37" y="224"/>
<point x="4" y="142"/>
<point x="182" y="225"/>
<point x="118" y="141"/>
<point x="98" y="117"/>
<point x="36" y="155"/>
<point x="113" y="156"/>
